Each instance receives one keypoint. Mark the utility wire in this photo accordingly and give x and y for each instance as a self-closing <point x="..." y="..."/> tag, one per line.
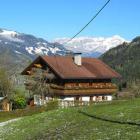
<point x="88" y="22"/>
<point x="84" y="26"/>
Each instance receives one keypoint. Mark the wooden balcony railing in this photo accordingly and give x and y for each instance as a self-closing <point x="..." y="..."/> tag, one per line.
<point x="93" y="86"/>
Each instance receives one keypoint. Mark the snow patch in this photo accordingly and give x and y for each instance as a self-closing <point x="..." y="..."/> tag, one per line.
<point x="41" y="50"/>
<point x="6" y="32"/>
<point x="54" y="50"/>
<point x="18" y="52"/>
<point x="10" y="35"/>
<point x="29" y="50"/>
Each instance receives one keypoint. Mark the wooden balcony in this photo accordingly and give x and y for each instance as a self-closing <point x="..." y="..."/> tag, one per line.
<point x="81" y="90"/>
<point x="85" y="86"/>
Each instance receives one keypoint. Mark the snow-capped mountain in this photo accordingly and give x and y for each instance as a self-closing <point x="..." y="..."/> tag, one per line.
<point x="20" y="43"/>
<point x="91" y="46"/>
<point x="29" y="45"/>
<point x="18" y="49"/>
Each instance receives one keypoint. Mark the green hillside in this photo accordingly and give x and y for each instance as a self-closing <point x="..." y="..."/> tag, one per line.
<point x="125" y="59"/>
<point x="12" y="63"/>
<point x="117" y="120"/>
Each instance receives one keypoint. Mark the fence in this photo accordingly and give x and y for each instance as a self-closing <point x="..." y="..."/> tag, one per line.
<point x="65" y="104"/>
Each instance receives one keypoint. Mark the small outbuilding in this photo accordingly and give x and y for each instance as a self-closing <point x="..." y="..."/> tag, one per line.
<point x="5" y="104"/>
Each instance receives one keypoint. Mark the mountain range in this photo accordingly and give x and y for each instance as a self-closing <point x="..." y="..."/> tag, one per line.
<point x="20" y="43"/>
<point x="91" y="46"/>
<point x="18" y="49"/>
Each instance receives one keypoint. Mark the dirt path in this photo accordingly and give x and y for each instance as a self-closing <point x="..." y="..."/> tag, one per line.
<point x="9" y="121"/>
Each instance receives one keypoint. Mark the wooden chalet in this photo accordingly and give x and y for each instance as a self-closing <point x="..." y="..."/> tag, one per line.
<point x="75" y="78"/>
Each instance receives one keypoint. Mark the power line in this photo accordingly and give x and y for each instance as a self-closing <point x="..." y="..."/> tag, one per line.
<point x="85" y="26"/>
<point x="87" y="23"/>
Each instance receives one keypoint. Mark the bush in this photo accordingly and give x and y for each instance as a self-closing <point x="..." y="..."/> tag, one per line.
<point x="18" y="99"/>
<point x="19" y="103"/>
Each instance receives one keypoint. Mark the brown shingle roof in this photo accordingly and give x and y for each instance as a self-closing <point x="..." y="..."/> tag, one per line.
<point x="91" y="68"/>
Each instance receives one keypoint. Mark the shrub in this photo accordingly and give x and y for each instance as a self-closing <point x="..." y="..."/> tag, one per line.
<point x="18" y="99"/>
<point x="19" y="102"/>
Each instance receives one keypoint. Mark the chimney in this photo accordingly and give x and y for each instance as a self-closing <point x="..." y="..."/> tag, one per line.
<point x="77" y="59"/>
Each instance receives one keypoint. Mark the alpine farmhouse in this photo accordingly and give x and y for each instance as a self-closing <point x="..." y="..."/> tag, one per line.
<point x="74" y="77"/>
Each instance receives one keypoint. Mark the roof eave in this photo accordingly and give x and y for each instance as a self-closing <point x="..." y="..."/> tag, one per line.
<point x="86" y="78"/>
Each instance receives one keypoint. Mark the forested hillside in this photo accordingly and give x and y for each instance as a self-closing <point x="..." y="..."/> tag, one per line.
<point x="125" y="59"/>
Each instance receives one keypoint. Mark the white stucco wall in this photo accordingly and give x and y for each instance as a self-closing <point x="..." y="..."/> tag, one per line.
<point x="109" y="98"/>
<point x="68" y="99"/>
<point x="47" y="98"/>
<point x="94" y="98"/>
<point x="85" y="98"/>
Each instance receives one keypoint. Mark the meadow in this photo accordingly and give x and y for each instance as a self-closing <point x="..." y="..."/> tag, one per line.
<point x="116" y="120"/>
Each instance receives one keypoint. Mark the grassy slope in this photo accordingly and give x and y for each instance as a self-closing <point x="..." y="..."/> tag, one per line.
<point x="71" y="124"/>
<point x="5" y="116"/>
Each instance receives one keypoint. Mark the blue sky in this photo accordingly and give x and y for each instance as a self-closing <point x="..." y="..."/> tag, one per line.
<point x="52" y="19"/>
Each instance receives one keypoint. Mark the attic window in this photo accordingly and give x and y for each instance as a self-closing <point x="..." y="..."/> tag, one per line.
<point x="38" y="65"/>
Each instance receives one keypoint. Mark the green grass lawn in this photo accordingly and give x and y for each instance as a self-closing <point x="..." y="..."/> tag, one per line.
<point x="117" y="120"/>
<point x="5" y="116"/>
